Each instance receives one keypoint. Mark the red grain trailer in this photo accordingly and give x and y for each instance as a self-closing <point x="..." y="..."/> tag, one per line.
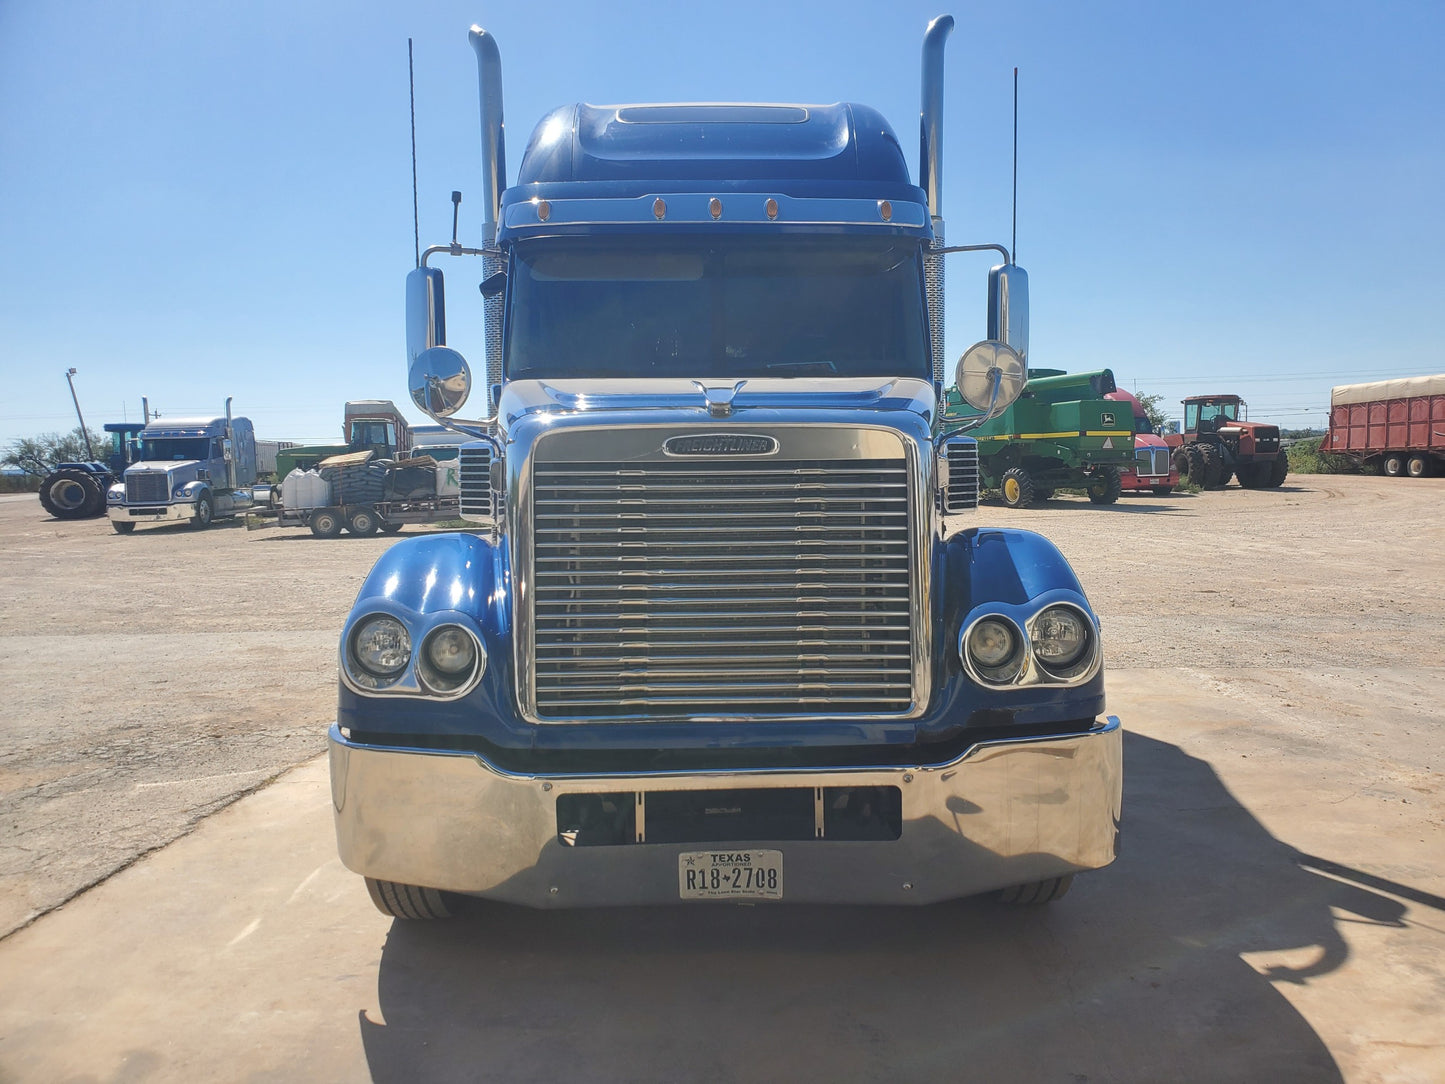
<point x="1398" y="423"/>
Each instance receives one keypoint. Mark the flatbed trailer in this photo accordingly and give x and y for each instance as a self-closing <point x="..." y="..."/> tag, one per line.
<point x="328" y="521"/>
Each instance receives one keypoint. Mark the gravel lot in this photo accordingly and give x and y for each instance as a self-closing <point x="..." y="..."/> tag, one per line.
<point x="1275" y="654"/>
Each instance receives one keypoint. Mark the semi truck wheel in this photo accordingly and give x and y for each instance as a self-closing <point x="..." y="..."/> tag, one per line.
<point x="1037" y="892"/>
<point x="1394" y="464"/>
<point x="1418" y="467"/>
<point x="363" y="522"/>
<point x="1105" y="485"/>
<point x="1278" y="471"/>
<point x="326" y="523"/>
<point x="390" y="528"/>
<point x="407" y="901"/>
<point x="121" y="526"/>
<point x="71" y="494"/>
<point x="1016" y="487"/>
<point x="205" y="513"/>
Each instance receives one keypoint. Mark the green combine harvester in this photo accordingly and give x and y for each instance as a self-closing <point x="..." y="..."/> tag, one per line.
<point x="1060" y="433"/>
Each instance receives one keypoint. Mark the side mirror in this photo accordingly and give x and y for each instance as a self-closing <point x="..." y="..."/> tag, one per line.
<point x="1008" y="308"/>
<point x="440" y="381"/>
<point x="426" y="311"/>
<point x="990" y="376"/>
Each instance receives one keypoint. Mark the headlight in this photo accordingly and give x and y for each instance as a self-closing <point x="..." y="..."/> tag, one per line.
<point x="1061" y="637"/>
<point x="992" y="649"/>
<point x="381" y="646"/>
<point x="451" y="657"/>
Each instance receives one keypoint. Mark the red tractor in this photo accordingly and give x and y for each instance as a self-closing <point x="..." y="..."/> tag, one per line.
<point x="1218" y="443"/>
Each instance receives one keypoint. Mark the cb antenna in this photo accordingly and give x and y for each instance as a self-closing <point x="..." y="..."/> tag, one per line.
<point x="411" y="87"/>
<point x="1014" y="241"/>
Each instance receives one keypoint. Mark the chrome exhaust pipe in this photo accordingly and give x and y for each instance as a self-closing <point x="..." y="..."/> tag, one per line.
<point x="930" y="177"/>
<point x="494" y="183"/>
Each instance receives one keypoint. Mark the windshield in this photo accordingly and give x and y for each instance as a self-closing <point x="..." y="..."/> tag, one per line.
<point x="174" y="448"/>
<point x="1142" y="424"/>
<point x="732" y="307"/>
<point x="1195" y="413"/>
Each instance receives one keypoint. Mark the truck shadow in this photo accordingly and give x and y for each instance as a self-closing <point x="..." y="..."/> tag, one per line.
<point x="1136" y="975"/>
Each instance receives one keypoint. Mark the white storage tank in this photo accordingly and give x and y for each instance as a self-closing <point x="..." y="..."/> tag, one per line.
<point x="305" y="489"/>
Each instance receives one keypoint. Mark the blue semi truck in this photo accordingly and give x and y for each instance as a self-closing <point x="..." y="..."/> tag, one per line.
<point x="726" y="628"/>
<point x="193" y="470"/>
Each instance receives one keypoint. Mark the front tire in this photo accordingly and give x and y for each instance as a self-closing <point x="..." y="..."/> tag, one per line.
<point x="1105" y="486"/>
<point x="1016" y="487"/>
<point x="205" y="513"/>
<point x="1278" y="471"/>
<point x="407" y="901"/>
<point x="1037" y="892"/>
<point x="122" y="526"/>
<point x="1161" y="491"/>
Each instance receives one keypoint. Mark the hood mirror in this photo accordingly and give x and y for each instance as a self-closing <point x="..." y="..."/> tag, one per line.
<point x="990" y="376"/>
<point x="440" y="381"/>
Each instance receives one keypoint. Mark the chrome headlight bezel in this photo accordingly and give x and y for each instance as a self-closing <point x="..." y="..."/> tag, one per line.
<point x="1032" y="669"/>
<point x="437" y="680"/>
<point x="418" y="677"/>
<point x="371" y="675"/>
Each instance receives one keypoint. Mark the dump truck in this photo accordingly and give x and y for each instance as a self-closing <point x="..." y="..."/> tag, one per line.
<point x="724" y="627"/>
<point x="1397" y="424"/>
<point x="1061" y="432"/>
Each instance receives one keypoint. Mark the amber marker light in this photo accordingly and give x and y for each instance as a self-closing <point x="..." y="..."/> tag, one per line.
<point x="885" y="209"/>
<point x="772" y="209"/>
<point x="544" y="210"/>
<point x="659" y="209"/>
<point x="714" y="207"/>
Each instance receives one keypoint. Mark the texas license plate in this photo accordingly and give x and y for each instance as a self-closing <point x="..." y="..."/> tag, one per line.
<point x="730" y="875"/>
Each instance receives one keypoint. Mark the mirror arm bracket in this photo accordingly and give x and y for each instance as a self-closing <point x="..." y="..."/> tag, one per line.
<point x="455" y="249"/>
<point x="992" y="412"/>
<point x="944" y="251"/>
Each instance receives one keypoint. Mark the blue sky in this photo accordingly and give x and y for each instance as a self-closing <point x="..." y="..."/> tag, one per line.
<point x="202" y="200"/>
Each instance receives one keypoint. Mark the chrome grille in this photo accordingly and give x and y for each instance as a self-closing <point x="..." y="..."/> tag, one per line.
<point x="475" y="476"/>
<point x="764" y="588"/>
<point x="1151" y="462"/>
<point x="961" y="492"/>
<point x="151" y="487"/>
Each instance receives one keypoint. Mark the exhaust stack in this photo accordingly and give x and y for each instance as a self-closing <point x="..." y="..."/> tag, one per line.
<point x="494" y="183"/>
<point x="930" y="175"/>
<point x="230" y="448"/>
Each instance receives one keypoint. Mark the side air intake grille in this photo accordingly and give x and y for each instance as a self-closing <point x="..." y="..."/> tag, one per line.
<point x="477" y="500"/>
<point x="960" y="493"/>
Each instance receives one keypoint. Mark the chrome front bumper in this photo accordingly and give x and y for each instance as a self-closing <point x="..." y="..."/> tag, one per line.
<point x="152" y="513"/>
<point x="1004" y="813"/>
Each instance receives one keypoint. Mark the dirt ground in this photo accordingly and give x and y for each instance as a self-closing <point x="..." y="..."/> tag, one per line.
<point x="1279" y="904"/>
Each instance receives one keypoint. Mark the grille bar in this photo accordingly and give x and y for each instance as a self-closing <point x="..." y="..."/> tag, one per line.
<point x="674" y="589"/>
<point x="149" y="487"/>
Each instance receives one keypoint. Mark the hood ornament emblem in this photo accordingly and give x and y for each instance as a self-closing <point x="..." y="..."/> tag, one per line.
<point x="719" y="400"/>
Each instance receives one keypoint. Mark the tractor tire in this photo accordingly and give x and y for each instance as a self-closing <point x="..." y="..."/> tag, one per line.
<point x="1204" y="466"/>
<point x="1016" y="488"/>
<point x="1252" y="475"/>
<point x="363" y="521"/>
<point x="1161" y="491"/>
<point x="1393" y="465"/>
<point x="122" y="526"/>
<point x="1105" y="486"/>
<point x="1225" y="473"/>
<point x="1278" y="472"/>
<point x="1181" y="464"/>
<point x="205" y="512"/>
<point x="390" y="528"/>
<point x="407" y="901"/>
<point x="71" y="494"/>
<point x="1037" y="892"/>
<point x="1418" y="466"/>
<point x="326" y="523"/>
<point x="1043" y="493"/>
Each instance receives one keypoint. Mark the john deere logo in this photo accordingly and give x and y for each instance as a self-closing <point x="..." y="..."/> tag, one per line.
<point x="1106" y="419"/>
<point x="720" y="444"/>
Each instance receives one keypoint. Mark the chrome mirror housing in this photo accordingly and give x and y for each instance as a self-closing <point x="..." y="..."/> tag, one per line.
<point x="440" y="381"/>
<point x="426" y="316"/>
<point x="1008" y="308"/>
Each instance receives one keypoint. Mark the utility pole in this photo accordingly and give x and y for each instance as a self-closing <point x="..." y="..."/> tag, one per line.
<point x="84" y="432"/>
